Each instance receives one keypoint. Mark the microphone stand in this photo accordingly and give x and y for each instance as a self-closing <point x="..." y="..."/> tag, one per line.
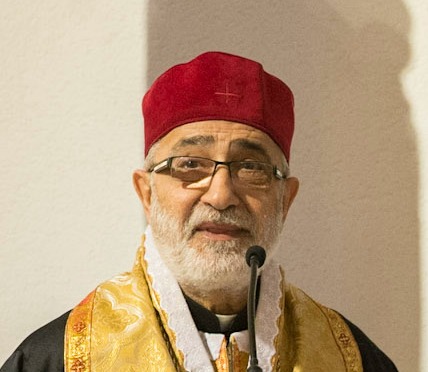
<point x="255" y="258"/>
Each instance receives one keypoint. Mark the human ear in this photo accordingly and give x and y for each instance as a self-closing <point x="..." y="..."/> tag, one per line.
<point x="291" y="188"/>
<point x="141" y="180"/>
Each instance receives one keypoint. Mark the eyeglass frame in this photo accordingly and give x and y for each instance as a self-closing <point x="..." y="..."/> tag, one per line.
<point x="166" y="164"/>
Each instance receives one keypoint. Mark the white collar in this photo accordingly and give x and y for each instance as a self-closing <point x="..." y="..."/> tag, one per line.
<point x="197" y="350"/>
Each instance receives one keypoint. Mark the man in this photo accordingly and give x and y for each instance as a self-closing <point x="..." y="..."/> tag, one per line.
<point x="215" y="181"/>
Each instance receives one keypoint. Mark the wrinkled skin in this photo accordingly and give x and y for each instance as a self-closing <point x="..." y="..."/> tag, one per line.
<point x="203" y="230"/>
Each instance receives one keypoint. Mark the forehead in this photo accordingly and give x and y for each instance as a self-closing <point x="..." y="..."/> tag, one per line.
<point x="220" y="137"/>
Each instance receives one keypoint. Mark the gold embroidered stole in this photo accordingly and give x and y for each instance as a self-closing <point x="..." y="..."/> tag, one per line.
<point x="117" y="328"/>
<point x="313" y="338"/>
<point x="121" y="327"/>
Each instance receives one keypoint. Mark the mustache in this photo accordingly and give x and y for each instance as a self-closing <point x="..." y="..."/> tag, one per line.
<point x="204" y="213"/>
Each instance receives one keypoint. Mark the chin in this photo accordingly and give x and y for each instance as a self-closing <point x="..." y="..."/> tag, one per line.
<point x="217" y="265"/>
<point x="207" y="278"/>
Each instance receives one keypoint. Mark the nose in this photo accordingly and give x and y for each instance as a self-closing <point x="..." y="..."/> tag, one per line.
<point x="221" y="193"/>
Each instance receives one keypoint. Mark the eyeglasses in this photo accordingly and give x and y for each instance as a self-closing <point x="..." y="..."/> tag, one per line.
<point x="245" y="173"/>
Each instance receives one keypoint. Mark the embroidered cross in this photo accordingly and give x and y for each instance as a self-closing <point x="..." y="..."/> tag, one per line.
<point x="344" y="339"/>
<point x="227" y="93"/>
<point x="79" y="327"/>
<point x="78" y="366"/>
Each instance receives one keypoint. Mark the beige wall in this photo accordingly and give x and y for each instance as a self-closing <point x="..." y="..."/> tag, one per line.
<point x="73" y="74"/>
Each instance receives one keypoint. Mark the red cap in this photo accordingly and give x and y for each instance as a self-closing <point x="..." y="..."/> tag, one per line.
<point x="219" y="86"/>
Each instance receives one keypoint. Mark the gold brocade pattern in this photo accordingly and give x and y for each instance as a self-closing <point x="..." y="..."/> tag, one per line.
<point x="122" y="327"/>
<point x="315" y="338"/>
<point x="77" y="343"/>
<point x="284" y="358"/>
<point x="230" y="354"/>
<point x="169" y="336"/>
<point x="344" y="340"/>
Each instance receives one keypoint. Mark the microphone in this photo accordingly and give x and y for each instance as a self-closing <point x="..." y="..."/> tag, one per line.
<point x="256" y="252"/>
<point x="255" y="258"/>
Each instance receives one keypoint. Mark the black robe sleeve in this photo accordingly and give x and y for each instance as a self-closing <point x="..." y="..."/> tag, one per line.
<point x="42" y="351"/>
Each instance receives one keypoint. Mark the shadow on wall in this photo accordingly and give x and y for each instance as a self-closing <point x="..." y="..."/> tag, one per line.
<point x="354" y="228"/>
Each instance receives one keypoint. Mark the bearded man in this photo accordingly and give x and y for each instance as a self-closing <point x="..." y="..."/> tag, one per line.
<point x="216" y="181"/>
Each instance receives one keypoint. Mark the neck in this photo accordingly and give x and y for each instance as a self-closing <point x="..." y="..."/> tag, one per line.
<point x="218" y="301"/>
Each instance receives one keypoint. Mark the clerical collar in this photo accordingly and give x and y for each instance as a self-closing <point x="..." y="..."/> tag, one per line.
<point x="225" y="321"/>
<point x="207" y="321"/>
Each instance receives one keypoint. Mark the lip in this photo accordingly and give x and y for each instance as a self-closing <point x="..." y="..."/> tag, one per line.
<point x="221" y="231"/>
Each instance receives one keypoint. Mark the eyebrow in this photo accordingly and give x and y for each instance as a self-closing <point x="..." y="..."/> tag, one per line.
<point x="205" y="140"/>
<point x="246" y="144"/>
<point x="194" y="141"/>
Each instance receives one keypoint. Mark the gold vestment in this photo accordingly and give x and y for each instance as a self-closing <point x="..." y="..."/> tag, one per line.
<point x="139" y="321"/>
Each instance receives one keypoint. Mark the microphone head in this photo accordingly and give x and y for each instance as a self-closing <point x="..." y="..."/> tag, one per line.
<point x="257" y="251"/>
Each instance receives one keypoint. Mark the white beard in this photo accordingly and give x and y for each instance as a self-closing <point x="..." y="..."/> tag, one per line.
<point x="213" y="265"/>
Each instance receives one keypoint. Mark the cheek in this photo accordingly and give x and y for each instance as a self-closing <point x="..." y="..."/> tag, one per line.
<point x="264" y="206"/>
<point x="175" y="200"/>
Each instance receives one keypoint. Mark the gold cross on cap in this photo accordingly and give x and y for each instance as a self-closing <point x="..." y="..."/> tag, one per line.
<point x="227" y="93"/>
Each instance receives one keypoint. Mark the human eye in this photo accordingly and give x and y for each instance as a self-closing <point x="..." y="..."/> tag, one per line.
<point x="191" y="169"/>
<point x="253" y="173"/>
<point x="251" y="165"/>
<point x="189" y="163"/>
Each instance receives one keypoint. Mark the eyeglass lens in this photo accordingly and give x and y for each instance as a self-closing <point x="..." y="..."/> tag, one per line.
<point x="191" y="169"/>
